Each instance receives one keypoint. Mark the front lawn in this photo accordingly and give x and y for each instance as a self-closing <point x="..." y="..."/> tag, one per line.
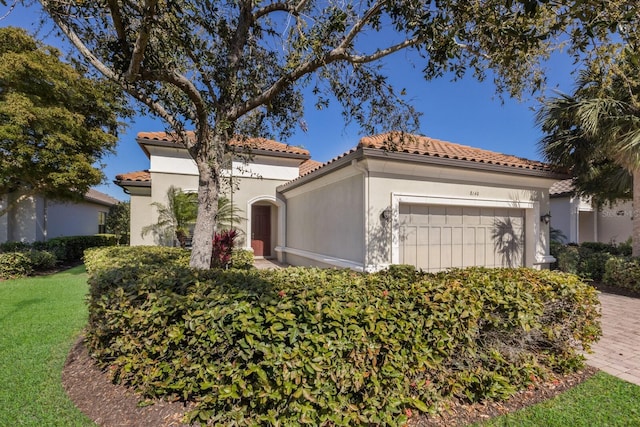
<point x="40" y="318"/>
<point x="602" y="400"/>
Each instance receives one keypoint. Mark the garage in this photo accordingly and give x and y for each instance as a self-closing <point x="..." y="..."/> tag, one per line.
<point x="435" y="238"/>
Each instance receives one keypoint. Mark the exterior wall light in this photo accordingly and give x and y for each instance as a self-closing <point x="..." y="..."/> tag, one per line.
<point x="385" y="215"/>
<point x="546" y="218"/>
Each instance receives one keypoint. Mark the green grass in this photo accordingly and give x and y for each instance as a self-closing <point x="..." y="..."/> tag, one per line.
<point x="40" y="318"/>
<point x="603" y="400"/>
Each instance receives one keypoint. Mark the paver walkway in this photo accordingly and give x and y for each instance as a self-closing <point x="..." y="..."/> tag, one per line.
<point x="263" y="263"/>
<point x="618" y="351"/>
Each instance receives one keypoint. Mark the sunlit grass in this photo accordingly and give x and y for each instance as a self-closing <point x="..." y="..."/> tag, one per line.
<point x="602" y="400"/>
<point x="40" y="317"/>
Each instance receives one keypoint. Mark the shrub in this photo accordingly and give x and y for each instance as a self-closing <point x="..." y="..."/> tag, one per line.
<point x="623" y="273"/>
<point x="568" y="259"/>
<point x="42" y="260"/>
<point x="336" y="347"/>
<point x="71" y="248"/>
<point x="223" y="248"/>
<point x="14" y="247"/>
<point x="14" y="264"/>
<point x="241" y="259"/>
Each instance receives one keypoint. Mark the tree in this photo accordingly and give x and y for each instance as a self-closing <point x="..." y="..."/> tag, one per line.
<point x="175" y="219"/>
<point x="595" y="133"/>
<point x="55" y="123"/>
<point x="118" y="219"/>
<point x="239" y="67"/>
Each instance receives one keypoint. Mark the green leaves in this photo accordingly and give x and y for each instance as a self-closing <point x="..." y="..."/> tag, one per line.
<point x="56" y="124"/>
<point x="308" y="346"/>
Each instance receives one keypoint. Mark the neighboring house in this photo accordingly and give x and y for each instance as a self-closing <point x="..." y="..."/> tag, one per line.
<point x="38" y="219"/>
<point x="580" y="221"/>
<point x="419" y="201"/>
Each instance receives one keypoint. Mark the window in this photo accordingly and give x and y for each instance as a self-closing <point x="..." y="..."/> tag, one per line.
<point x="102" y="222"/>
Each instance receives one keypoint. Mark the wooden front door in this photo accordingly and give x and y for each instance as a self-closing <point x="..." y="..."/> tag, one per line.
<point x="261" y="230"/>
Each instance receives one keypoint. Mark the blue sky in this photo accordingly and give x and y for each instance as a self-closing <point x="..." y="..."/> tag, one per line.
<point x="465" y="112"/>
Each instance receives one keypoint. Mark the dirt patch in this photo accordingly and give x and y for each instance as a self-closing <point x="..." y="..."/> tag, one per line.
<point x="111" y="405"/>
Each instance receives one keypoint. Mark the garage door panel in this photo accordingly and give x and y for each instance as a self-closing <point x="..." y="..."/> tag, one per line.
<point x="437" y="237"/>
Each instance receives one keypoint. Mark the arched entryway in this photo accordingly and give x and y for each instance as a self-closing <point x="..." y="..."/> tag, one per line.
<point x="265" y="226"/>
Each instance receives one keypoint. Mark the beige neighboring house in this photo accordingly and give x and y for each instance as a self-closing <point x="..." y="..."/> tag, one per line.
<point x="37" y="218"/>
<point x="390" y="200"/>
<point x="580" y="221"/>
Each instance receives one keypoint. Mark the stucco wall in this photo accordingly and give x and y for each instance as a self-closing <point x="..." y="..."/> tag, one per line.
<point x="561" y="213"/>
<point x="437" y="186"/>
<point x="73" y="219"/>
<point x="615" y="223"/>
<point x="326" y="217"/>
<point x="141" y="212"/>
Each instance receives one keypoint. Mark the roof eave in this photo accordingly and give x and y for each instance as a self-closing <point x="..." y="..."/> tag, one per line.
<point x="460" y="163"/>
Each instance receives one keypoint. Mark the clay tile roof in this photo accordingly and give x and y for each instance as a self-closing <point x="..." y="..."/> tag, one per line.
<point x="561" y="187"/>
<point x="308" y="166"/>
<point x="253" y="143"/>
<point x="422" y="145"/>
<point x="96" y="196"/>
<point x="140" y="176"/>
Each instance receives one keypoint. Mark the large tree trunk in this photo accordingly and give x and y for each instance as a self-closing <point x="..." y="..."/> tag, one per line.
<point x="208" y="161"/>
<point x="636" y="214"/>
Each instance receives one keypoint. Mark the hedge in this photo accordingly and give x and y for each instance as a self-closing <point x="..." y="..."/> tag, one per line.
<point x="587" y="259"/>
<point x="308" y="346"/>
<point x="623" y="273"/>
<point x="14" y="264"/>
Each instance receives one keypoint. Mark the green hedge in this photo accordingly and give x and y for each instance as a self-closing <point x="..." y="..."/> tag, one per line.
<point x="15" y="264"/>
<point x="623" y="273"/>
<point x="330" y="347"/>
<point x="588" y="259"/>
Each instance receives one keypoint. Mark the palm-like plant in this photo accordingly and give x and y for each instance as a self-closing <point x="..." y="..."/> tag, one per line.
<point x="595" y="133"/>
<point x="176" y="218"/>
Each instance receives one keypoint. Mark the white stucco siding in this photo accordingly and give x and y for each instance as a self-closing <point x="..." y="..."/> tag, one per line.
<point x="615" y="223"/>
<point x="23" y="221"/>
<point x="73" y="219"/>
<point x="141" y="211"/>
<point x="389" y="189"/>
<point x="563" y="214"/>
<point x="325" y="221"/>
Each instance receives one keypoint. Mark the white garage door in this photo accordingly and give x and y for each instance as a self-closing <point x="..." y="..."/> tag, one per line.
<point x="435" y="238"/>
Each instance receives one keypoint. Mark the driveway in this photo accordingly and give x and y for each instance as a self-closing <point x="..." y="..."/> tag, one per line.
<point x="618" y="351"/>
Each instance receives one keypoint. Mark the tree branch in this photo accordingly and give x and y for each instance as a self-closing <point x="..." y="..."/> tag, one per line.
<point x="142" y="40"/>
<point x="118" y="23"/>
<point x="107" y="72"/>
<point x="358" y="26"/>
<point x="337" y="54"/>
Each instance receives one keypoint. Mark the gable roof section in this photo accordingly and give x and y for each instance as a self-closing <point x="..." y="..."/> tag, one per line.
<point x="258" y="145"/>
<point x="415" y="148"/>
<point x="309" y="166"/>
<point x="561" y="188"/>
<point x="425" y="146"/>
<point x="100" y="198"/>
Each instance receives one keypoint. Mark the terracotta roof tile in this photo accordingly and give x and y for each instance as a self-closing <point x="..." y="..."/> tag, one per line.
<point x="561" y="187"/>
<point x="422" y="145"/>
<point x="309" y="166"/>
<point x="140" y="176"/>
<point x="255" y="143"/>
<point x="99" y="197"/>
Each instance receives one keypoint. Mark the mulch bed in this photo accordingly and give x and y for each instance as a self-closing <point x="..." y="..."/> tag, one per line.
<point x="111" y="405"/>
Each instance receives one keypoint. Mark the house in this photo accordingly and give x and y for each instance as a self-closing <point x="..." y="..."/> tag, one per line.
<point x="580" y="221"/>
<point x="37" y="218"/>
<point x="393" y="199"/>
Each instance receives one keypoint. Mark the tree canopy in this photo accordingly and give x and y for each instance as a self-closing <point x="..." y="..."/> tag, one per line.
<point x="595" y="133"/>
<point x="228" y="67"/>
<point x="55" y="123"/>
